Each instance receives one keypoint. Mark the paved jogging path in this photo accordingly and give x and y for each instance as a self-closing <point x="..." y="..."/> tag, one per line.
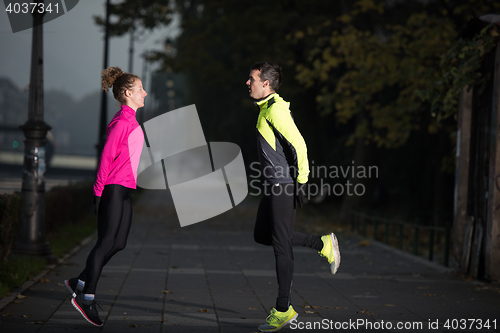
<point x="212" y="277"/>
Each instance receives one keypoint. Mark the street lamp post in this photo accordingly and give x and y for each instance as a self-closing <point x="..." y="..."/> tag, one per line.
<point x="131" y="50"/>
<point x="32" y="236"/>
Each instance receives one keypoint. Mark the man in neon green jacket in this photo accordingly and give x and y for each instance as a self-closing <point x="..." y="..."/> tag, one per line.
<point x="283" y="161"/>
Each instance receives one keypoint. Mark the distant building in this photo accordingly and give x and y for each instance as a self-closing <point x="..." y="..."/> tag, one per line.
<point x="14" y="112"/>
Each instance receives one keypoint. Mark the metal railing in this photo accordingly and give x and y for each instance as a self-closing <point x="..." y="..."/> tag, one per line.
<point x="361" y="221"/>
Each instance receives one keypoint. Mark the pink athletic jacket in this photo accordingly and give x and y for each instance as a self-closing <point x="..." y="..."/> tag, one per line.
<point x="121" y="153"/>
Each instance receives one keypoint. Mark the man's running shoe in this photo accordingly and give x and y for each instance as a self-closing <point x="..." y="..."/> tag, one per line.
<point x="276" y="320"/>
<point x="87" y="309"/>
<point x="331" y="251"/>
<point x="72" y="286"/>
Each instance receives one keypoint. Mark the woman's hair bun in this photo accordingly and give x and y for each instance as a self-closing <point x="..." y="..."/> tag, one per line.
<point x="109" y="76"/>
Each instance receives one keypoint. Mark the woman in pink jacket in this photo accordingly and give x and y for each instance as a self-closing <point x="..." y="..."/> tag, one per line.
<point x="116" y="176"/>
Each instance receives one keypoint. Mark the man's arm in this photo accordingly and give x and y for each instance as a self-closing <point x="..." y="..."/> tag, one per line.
<point x="282" y="121"/>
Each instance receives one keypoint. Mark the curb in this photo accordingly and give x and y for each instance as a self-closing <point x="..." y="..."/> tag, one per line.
<point x="425" y="262"/>
<point x="27" y="284"/>
<point x="413" y="257"/>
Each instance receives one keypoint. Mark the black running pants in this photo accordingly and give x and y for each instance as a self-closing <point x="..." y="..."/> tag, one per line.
<point x="113" y="226"/>
<point x="274" y="226"/>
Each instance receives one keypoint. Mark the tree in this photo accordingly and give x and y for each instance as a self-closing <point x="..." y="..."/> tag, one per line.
<point x="383" y="65"/>
<point x="147" y="14"/>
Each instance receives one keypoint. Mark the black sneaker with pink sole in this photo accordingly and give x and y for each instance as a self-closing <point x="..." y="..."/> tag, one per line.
<point x="88" y="309"/>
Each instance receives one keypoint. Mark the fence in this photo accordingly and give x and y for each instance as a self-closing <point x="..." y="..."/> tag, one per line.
<point x="407" y="236"/>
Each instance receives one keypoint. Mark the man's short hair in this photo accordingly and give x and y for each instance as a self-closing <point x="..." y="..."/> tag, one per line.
<point x="269" y="71"/>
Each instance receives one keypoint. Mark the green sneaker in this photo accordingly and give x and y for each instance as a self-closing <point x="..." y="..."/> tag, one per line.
<point x="331" y="251"/>
<point x="276" y="320"/>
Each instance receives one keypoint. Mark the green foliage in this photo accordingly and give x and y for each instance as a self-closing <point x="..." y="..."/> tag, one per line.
<point x="10" y="222"/>
<point x="147" y="14"/>
<point x="381" y="69"/>
<point x="376" y="70"/>
<point x="66" y="236"/>
<point x="459" y="68"/>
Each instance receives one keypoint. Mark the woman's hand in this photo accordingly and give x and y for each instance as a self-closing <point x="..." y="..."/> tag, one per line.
<point x="96" y="203"/>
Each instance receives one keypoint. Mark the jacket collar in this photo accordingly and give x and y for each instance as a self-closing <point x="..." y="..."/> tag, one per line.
<point x="127" y="109"/>
<point x="261" y="102"/>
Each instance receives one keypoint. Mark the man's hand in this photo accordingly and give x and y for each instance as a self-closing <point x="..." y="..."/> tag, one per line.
<point x="97" y="200"/>
<point x="300" y="194"/>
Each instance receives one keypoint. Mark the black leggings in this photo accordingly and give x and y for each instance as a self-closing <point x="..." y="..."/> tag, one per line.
<point x="113" y="226"/>
<point x="274" y="226"/>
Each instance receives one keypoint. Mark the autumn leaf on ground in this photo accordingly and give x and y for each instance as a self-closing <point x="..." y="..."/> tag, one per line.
<point x="430" y="295"/>
<point x="365" y="311"/>
<point x="239" y="291"/>
<point x="44" y="280"/>
<point x="309" y="311"/>
<point x="19" y="296"/>
<point x="307" y="307"/>
<point x="26" y="316"/>
<point x="482" y="288"/>
<point x="202" y="310"/>
<point x="7" y="314"/>
<point x="364" y="243"/>
<point x="317" y="307"/>
<point x="253" y="309"/>
<point x="167" y="292"/>
<point x="133" y="325"/>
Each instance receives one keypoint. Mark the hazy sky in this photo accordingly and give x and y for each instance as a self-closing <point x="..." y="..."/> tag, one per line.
<point x="73" y="50"/>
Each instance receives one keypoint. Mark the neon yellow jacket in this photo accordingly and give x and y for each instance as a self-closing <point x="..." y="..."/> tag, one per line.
<point x="281" y="148"/>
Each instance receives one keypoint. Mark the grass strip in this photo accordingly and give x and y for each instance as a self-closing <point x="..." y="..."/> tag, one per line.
<point x="17" y="269"/>
<point x="67" y="236"/>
